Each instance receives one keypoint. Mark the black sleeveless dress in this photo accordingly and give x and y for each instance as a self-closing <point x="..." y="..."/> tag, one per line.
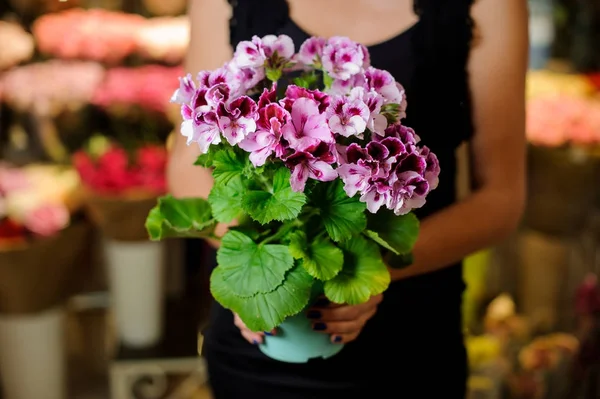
<point x="413" y="347"/>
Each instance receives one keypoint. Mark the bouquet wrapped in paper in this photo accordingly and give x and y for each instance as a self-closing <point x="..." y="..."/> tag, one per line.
<point x="312" y="163"/>
<point x="121" y="184"/>
<point x="40" y="244"/>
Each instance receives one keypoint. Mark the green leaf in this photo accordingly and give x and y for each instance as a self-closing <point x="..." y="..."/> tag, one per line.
<point x="249" y="268"/>
<point x="363" y="276"/>
<point x="273" y="74"/>
<point x="264" y="312"/>
<point x="321" y="258"/>
<point x="399" y="233"/>
<point x="205" y="160"/>
<point x="228" y="165"/>
<point x="400" y="261"/>
<point x="281" y="204"/>
<point x="226" y="200"/>
<point x="174" y="217"/>
<point x="327" y="80"/>
<point x="341" y="215"/>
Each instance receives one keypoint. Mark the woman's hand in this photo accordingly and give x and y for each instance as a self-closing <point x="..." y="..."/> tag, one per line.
<point x="343" y="322"/>
<point x="255" y="338"/>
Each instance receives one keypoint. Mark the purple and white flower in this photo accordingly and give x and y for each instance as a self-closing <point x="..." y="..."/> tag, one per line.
<point x="266" y="140"/>
<point x="314" y="162"/>
<point x="348" y="116"/>
<point x="343" y="58"/>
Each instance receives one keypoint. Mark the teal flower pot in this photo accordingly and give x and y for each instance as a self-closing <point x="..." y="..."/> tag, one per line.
<point x="297" y="342"/>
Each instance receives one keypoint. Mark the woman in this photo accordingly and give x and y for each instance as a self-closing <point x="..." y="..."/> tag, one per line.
<point x="409" y="343"/>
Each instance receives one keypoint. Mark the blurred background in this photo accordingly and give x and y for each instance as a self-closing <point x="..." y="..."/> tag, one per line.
<point x="89" y="308"/>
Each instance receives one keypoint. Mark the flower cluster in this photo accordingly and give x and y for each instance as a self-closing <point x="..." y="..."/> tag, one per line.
<point x="47" y="88"/>
<point x="94" y="34"/>
<point x="109" y="36"/>
<point x="351" y="129"/>
<point x="33" y="201"/>
<point x="113" y="172"/>
<point x="17" y="45"/>
<point x="147" y="86"/>
<point x="562" y="120"/>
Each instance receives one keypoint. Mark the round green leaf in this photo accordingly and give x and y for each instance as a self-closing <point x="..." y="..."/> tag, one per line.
<point x="341" y="215"/>
<point x="321" y="258"/>
<point x="364" y="273"/>
<point x="397" y="233"/>
<point x="248" y="268"/>
<point x="179" y="217"/>
<point x="281" y="204"/>
<point x="226" y="199"/>
<point x="264" y="312"/>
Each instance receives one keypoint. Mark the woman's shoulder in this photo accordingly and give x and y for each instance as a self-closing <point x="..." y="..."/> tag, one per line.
<point x="252" y="17"/>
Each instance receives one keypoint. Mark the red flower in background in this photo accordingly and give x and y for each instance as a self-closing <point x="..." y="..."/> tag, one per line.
<point x="113" y="173"/>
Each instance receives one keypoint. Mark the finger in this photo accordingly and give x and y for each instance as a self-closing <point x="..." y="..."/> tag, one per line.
<point x="341" y="313"/>
<point x="344" y="327"/>
<point x="339" y="327"/>
<point x="253" y="338"/>
<point x="344" y="338"/>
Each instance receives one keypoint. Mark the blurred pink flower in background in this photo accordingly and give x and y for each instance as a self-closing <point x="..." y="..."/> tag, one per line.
<point x="149" y="87"/>
<point x="50" y="87"/>
<point x="95" y="34"/>
<point x="561" y="120"/>
<point x="17" y="45"/>
<point x="47" y="220"/>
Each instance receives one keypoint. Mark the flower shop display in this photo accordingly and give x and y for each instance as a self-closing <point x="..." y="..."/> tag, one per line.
<point x="148" y="87"/>
<point x="47" y="88"/>
<point x="95" y="34"/>
<point x="122" y="185"/>
<point x="310" y="158"/>
<point x="17" y="45"/>
<point x="48" y="96"/>
<point x="42" y="246"/>
<point x="164" y="39"/>
<point x="563" y="127"/>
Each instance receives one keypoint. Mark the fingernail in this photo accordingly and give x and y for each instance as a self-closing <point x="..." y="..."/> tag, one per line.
<point x="337" y="339"/>
<point x="313" y="314"/>
<point x="267" y="333"/>
<point x="255" y="342"/>
<point x="321" y="302"/>
<point x="319" y="327"/>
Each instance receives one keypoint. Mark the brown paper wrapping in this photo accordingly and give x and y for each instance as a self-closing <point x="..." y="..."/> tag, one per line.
<point x="43" y="274"/>
<point x="121" y="219"/>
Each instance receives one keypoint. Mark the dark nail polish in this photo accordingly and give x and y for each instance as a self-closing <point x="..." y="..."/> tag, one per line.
<point x="319" y="327"/>
<point x="255" y="342"/>
<point x="321" y="302"/>
<point x="268" y="334"/>
<point x="313" y="314"/>
<point x="337" y="339"/>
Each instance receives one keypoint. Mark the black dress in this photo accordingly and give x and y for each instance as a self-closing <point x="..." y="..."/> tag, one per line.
<point x="413" y="347"/>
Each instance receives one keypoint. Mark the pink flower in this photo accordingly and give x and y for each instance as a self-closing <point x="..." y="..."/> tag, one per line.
<point x="311" y="51"/>
<point x="250" y="54"/>
<point x="186" y="91"/>
<point x="203" y="130"/>
<point x="376" y="122"/>
<point x="237" y="119"/>
<point x="314" y="162"/>
<point x="47" y="220"/>
<point x="384" y="83"/>
<point x="267" y="138"/>
<point x="12" y="179"/>
<point x="432" y="170"/>
<point x="308" y="127"/>
<point x="293" y="92"/>
<point x="282" y="46"/>
<point x="343" y="58"/>
<point x="348" y="116"/>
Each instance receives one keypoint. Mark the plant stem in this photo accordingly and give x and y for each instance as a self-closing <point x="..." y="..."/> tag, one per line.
<point x="283" y="230"/>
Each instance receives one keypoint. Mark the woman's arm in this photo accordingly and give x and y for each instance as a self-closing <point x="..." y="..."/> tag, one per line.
<point x="209" y="49"/>
<point x="497" y="69"/>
